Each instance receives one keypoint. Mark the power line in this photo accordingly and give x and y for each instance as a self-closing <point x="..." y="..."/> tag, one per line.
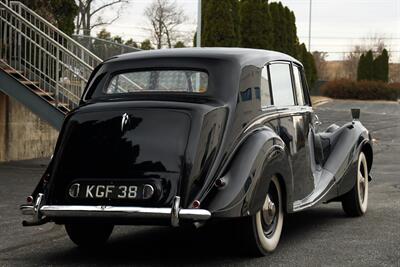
<point x="355" y="38"/>
<point x="356" y="52"/>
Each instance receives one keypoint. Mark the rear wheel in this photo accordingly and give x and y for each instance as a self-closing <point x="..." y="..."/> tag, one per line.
<point x="263" y="230"/>
<point x="89" y="235"/>
<point x="355" y="202"/>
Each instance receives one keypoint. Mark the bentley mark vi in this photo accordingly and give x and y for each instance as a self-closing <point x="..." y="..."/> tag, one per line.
<point x="191" y="136"/>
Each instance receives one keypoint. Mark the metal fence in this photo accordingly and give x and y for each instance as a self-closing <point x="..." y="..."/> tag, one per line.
<point x="103" y="48"/>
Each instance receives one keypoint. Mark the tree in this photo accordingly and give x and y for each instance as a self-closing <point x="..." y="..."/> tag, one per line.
<point x="381" y="67"/>
<point x="90" y="9"/>
<point x="320" y="64"/>
<point x="179" y="44"/>
<point x="352" y="66"/>
<point x="104" y="34"/>
<point x="117" y="39"/>
<point x="365" y="69"/>
<point x="284" y="30"/>
<point x="61" y="13"/>
<point x="307" y="60"/>
<point x="164" y="17"/>
<point x="220" y="23"/>
<point x="351" y="63"/>
<point x="360" y="68"/>
<point x="132" y="43"/>
<point x="256" y="27"/>
<point x="146" y="45"/>
<point x="278" y="24"/>
<point x="291" y="33"/>
<point x="369" y="65"/>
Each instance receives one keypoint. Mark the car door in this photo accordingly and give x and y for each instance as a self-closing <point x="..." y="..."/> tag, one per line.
<point x="293" y="128"/>
<point x="305" y="109"/>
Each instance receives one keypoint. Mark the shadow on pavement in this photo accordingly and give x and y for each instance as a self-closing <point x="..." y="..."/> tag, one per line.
<point x="164" y="245"/>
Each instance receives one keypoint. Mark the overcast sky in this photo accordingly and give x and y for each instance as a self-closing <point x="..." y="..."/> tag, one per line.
<point x="337" y="25"/>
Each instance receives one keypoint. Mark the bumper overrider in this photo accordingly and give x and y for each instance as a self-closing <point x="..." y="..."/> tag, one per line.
<point x="42" y="213"/>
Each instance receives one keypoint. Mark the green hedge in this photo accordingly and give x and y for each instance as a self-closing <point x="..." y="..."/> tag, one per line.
<point x="364" y="90"/>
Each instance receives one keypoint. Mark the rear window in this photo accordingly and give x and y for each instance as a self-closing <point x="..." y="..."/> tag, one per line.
<point x="159" y="81"/>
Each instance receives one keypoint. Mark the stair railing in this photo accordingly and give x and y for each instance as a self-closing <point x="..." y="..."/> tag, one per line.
<point x="60" y="37"/>
<point x="44" y="54"/>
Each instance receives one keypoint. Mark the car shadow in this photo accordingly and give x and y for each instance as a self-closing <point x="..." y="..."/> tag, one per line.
<point x="217" y="243"/>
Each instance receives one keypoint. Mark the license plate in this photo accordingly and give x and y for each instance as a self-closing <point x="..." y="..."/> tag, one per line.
<point x="111" y="191"/>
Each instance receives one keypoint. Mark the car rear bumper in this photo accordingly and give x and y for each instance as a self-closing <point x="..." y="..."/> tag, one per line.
<point x="41" y="213"/>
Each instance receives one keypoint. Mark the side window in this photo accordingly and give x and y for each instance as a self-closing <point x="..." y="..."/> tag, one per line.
<point x="281" y="81"/>
<point x="264" y="87"/>
<point x="299" y="85"/>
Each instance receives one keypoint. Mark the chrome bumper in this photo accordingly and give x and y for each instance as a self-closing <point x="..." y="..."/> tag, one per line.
<point x="39" y="212"/>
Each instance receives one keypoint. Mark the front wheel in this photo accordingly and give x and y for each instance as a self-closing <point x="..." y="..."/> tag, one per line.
<point x="89" y="235"/>
<point x="355" y="202"/>
<point x="263" y="230"/>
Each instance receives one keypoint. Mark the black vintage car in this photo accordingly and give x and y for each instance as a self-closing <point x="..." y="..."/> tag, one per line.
<point x="190" y="136"/>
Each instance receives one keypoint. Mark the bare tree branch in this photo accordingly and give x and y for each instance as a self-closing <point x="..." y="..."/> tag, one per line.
<point x="103" y="23"/>
<point x="107" y="5"/>
<point x="87" y="11"/>
<point x="164" y="17"/>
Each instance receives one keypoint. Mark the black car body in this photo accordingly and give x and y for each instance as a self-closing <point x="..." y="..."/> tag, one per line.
<point x="204" y="151"/>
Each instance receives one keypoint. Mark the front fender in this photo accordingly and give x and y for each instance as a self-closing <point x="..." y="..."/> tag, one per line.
<point x="247" y="175"/>
<point x="347" y="143"/>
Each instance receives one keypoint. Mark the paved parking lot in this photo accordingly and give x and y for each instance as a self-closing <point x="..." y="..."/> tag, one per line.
<point x="320" y="236"/>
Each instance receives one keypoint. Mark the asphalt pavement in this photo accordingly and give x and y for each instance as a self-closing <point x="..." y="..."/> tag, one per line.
<point x="321" y="236"/>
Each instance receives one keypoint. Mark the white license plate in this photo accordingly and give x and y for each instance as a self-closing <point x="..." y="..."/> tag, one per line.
<point x="115" y="190"/>
<point x="111" y="191"/>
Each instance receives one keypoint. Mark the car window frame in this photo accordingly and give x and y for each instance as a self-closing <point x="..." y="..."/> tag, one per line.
<point x="306" y="90"/>
<point x="286" y="62"/>
<point x="271" y="102"/>
<point x="301" y="76"/>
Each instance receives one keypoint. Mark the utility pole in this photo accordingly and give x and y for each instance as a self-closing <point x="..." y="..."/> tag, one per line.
<point x="198" y="37"/>
<point x="309" y="28"/>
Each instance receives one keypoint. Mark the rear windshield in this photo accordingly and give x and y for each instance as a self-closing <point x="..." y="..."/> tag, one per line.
<point x="159" y="81"/>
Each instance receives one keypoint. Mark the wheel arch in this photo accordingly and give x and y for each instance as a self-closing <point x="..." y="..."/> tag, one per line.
<point x="248" y="175"/>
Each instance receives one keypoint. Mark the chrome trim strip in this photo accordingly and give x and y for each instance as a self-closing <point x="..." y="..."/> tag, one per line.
<point x="122" y="212"/>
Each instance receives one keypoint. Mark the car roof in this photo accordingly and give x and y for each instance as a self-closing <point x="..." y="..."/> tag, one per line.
<point x="243" y="56"/>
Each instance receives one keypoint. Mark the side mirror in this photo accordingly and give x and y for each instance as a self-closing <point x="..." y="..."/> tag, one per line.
<point x="355" y="114"/>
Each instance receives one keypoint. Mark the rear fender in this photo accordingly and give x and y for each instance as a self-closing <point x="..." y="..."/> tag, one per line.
<point x="247" y="176"/>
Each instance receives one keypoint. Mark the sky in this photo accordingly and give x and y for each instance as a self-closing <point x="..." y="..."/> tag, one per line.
<point x="337" y="25"/>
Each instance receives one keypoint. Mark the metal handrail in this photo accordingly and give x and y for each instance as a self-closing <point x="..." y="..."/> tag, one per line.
<point x="18" y="7"/>
<point x="77" y="36"/>
<point x="52" y="40"/>
<point x="44" y="54"/>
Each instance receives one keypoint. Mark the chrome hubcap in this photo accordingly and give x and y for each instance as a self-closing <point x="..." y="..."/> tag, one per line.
<point x="269" y="211"/>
